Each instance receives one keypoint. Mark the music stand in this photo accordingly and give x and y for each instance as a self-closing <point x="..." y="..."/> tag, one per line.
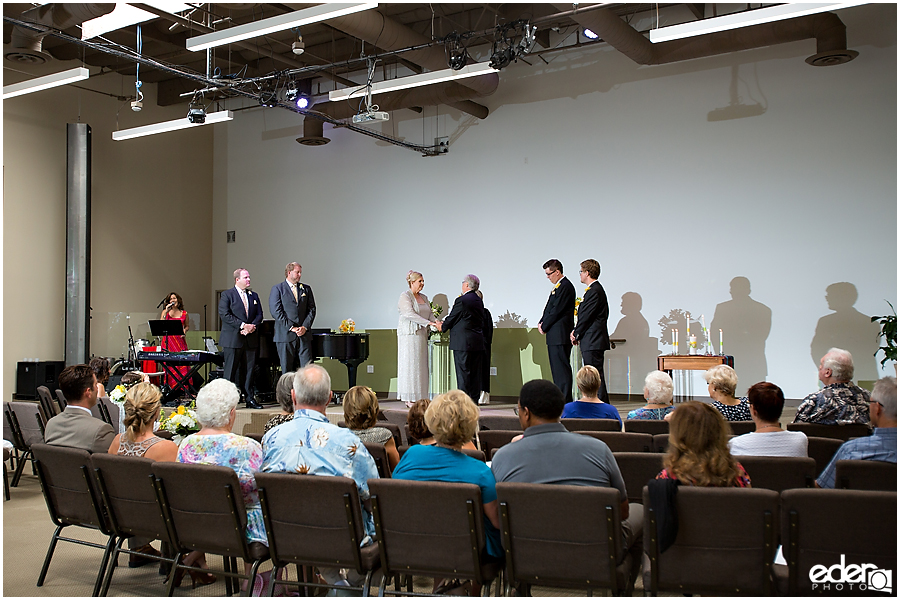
<point x="163" y="328"/>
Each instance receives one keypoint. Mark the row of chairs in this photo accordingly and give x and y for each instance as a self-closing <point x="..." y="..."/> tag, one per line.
<point x="553" y="535"/>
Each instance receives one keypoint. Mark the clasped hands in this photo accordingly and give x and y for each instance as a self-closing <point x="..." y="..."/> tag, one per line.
<point x="247" y="328"/>
<point x="437" y="325"/>
<point x="300" y="331"/>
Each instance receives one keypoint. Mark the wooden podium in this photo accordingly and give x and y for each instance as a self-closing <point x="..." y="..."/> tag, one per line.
<point x="692" y="362"/>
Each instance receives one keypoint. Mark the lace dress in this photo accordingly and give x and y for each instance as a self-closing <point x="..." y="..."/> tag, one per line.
<point x="412" y="347"/>
<point x="138" y="449"/>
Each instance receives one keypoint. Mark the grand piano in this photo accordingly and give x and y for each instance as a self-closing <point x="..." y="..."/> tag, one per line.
<point x="351" y="349"/>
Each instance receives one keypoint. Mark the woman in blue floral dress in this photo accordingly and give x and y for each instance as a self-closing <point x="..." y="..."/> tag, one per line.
<point x="215" y="445"/>
<point x="658" y="391"/>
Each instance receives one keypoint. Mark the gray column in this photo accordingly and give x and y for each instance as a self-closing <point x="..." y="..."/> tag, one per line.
<point x="78" y="243"/>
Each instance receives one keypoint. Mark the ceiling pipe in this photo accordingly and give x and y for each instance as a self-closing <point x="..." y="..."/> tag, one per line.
<point x="27" y="45"/>
<point x="385" y="33"/>
<point x="828" y="30"/>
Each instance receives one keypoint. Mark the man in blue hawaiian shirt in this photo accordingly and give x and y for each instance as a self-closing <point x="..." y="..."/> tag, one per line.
<point x="310" y="445"/>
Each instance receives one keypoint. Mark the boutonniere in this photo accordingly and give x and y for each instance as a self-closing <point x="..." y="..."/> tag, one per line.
<point x="586" y="289"/>
<point x="557" y="284"/>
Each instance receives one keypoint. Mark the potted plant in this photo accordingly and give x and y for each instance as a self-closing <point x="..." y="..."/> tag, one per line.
<point x="889" y="333"/>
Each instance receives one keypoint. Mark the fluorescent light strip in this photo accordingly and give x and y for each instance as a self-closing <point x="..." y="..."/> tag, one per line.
<point x="392" y="85"/>
<point x="743" y="19"/>
<point x="45" y="82"/>
<point x="182" y="123"/>
<point x="279" y="23"/>
<point x="125" y="15"/>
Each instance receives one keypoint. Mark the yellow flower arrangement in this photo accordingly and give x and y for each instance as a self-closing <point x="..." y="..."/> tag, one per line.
<point x="348" y="326"/>
<point x="577" y="302"/>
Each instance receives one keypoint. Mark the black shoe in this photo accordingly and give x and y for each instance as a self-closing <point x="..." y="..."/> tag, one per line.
<point x="251" y="403"/>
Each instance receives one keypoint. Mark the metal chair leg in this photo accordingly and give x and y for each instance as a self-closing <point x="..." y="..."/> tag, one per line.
<point x="103" y="565"/>
<point x="50" y="550"/>
<point x="112" y="567"/>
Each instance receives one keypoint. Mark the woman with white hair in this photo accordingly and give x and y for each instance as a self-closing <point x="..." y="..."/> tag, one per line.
<point x="216" y="445"/>
<point x="658" y="391"/>
<point x="722" y="382"/>
<point x="412" y="340"/>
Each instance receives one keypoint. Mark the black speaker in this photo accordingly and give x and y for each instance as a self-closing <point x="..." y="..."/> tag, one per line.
<point x="30" y="375"/>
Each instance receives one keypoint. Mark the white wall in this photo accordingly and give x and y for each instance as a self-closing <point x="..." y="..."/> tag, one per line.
<point x="151" y="217"/>
<point x="595" y="156"/>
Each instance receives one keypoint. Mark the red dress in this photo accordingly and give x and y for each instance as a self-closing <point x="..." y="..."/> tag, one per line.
<point x="176" y="343"/>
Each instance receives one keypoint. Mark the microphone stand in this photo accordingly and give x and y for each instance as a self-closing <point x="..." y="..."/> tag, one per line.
<point x="205" y="335"/>
<point x="132" y="355"/>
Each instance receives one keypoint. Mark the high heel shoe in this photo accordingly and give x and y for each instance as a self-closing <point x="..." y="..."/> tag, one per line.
<point x="201" y="578"/>
<point x="177" y="572"/>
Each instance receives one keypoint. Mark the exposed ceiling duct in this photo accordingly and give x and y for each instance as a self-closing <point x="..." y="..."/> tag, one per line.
<point x="27" y="44"/>
<point x="827" y="29"/>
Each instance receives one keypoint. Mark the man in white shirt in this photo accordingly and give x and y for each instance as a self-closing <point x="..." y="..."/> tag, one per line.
<point x="769" y="439"/>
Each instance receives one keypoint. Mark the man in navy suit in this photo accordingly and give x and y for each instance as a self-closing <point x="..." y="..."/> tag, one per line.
<point x="465" y="323"/>
<point x="241" y="313"/>
<point x="557" y="323"/>
<point x="591" y="332"/>
<point x="294" y="309"/>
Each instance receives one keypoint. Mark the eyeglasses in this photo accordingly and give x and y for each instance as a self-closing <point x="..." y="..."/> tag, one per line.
<point x="550" y="274"/>
<point x="516" y="410"/>
<point x="876" y="402"/>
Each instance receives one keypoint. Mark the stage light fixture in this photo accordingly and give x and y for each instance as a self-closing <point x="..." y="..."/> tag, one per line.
<point x="298" y="47"/>
<point x="590" y="34"/>
<point x="291" y="92"/>
<point x="303" y="101"/>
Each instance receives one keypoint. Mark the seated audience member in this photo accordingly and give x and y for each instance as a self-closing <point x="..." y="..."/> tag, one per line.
<point x="283" y="395"/>
<point x="839" y="402"/>
<point x="100" y="367"/>
<point x="76" y="427"/>
<point x="590" y="406"/>
<point x="453" y="419"/>
<point x="128" y="379"/>
<point x="722" y="382"/>
<point x="547" y="453"/>
<point x="415" y="420"/>
<point x="361" y="416"/>
<point x="698" y="449"/>
<point x="216" y="445"/>
<point x="308" y="444"/>
<point x="658" y="391"/>
<point x="882" y="444"/>
<point x="141" y="411"/>
<point x="766" y="403"/>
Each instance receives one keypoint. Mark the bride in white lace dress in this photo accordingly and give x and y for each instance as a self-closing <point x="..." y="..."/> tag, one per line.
<point x="412" y="341"/>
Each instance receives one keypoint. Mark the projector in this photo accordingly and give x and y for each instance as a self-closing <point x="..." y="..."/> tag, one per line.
<point x="370" y="117"/>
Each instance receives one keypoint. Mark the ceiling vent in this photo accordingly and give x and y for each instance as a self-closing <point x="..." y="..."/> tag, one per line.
<point x="831" y="58"/>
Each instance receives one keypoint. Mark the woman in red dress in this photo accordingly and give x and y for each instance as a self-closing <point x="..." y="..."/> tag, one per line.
<point x="174" y="311"/>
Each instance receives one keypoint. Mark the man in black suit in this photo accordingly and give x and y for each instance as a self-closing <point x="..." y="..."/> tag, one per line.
<point x="465" y="323"/>
<point x="557" y="324"/>
<point x="293" y="307"/>
<point x="241" y="313"/>
<point x="590" y="332"/>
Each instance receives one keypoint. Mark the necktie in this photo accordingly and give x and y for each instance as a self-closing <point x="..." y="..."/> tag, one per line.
<point x="294" y="290"/>
<point x="244" y="300"/>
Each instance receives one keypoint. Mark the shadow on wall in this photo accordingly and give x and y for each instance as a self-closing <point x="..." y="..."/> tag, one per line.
<point x="506" y="353"/>
<point x="630" y="362"/>
<point x="849" y="329"/>
<point x="745" y="324"/>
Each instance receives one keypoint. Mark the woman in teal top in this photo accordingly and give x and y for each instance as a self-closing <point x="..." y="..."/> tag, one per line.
<point x="453" y="419"/>
<point x="658" y="391"/>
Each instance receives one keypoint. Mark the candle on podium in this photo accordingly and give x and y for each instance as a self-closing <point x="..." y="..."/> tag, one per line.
<point x="721" y="344"/>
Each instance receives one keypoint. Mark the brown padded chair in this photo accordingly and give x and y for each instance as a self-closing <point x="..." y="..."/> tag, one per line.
<point x="838" y="432"/>
<point x="726" y="543"/>
<point x="69" y="487"/>
<point x="315" y="521"/>
<point x="579" y="547"/>
<point x="61" y="401"/>
<point x="499" y="421"/>
<point x="637" y="469"/>
<point x="379" y="454"/>
<point x="49" y="404"/>
<point x="779" y="472"/>
<point x="435" y="529"/>
<point x="255" y="436"/>
<point x="619" y="441"/>
<point x="126" y="486"/>
<point x="822" y="450"/>
<point x="872" y="475"/>
<point x="742" y="427"/>
<point x="814" y="538"/>
<point x="477" y="454"/>
<point x="493" y="439"/>
<point x="6" y="456"/>
<point x="25" y="419"/>
<point x="591" y="424"/>
<point x="661" y="442"/>
<point x="651" y="426"/>
<point x="204" y="510"/>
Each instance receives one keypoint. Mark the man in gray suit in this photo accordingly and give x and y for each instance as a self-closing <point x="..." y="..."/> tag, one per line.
<point x="76" y="427"/>
<point x="294" y="309"/>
